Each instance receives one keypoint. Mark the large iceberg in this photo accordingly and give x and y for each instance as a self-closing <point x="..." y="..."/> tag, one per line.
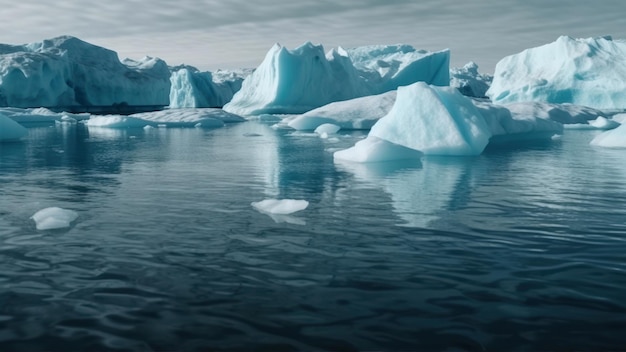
<point x="469" y="81"/>
<point x="66" y="71"/>
<point x="10" y="130"/>
<point x="589" y="72"/>
<point x="299" y="80"/>
<point x="192" y="88"/>
<point x="435" y="121"/>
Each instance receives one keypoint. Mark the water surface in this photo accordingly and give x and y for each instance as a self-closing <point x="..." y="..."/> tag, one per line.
<point x="521" y="248"/>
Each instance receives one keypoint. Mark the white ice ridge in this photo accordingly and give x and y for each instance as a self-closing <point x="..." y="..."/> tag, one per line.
<point x="10" y="130"/>
<point x="66" y="71"/>
<point x="589" y="72"/>
<point x="280" y="206"/>
<point x="54" y="218"/>
<point x="299" y="80"/>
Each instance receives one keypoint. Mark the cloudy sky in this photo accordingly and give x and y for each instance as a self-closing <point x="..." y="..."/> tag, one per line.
<point x="211" y="34"/>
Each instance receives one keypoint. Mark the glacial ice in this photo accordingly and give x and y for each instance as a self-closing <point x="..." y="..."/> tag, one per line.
<point x="194" y="89"/>
<point x="435" y="121"/>
<point x="280" y="206"/>
<point x="469" y="81"/>
<point x="589" y="72"/>
<point x="300" y="80"/>
<point x="40" y="115"/>
<point x="205" y="118"/>
<point x="54" y="218"/>
<point x="354" y="114"/>
<point x="601" y="123"/>
<point x="66" y="71"/>
<point x="514" y="122"/>
<point x="373" y="149"/>
<point x="615" y="138"/>
<point x="10" y="130"/>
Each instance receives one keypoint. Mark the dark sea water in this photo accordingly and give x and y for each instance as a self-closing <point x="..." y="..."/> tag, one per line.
<point x="520" y="249"/>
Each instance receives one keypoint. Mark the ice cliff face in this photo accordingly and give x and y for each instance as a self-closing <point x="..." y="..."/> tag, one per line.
<point x="299" y="80"/>
<point x="589" y="72"/>
<point x="66" y="71"/>
<point x="194" y="89"/>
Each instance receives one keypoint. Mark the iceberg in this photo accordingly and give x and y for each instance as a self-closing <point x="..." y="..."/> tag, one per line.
<point x="589" y="72"/>
<point x="300" y="80"/>
<point x="435" y="121"/>
<point x="615" y="138"/>
<point x="515" y="122"/>
<point x="373" y="149"/>
<point x="54" y="218"/>
<point x="66" y="71"/>
<point x="194" y="89"/>
<point x="388" y="67"/>
<point x="469" y="81"/>
<point x="40" y="115"/>
<point x="10" y="130"/>
<point x="205" y="118"/>
<point x="280" y="206"/>
<point x="354" y="114"/>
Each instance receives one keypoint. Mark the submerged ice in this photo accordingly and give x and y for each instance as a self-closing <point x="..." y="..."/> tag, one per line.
<point x="54" y="218"/>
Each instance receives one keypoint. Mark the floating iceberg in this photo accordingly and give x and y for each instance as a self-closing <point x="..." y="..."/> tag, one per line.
<point x="299" y="80"/>
<point x="469" y="82"/>
<point x="54" y="218"/>
<point x="373" y="149"/>
<point x="205" y="118"/>
<point x="10" y="130"/>
<point x="66" y="71"/>
<point x="589" y="72"/>
<point x="194" y="89"/>
<point x="435" y="121"/>
<point x="562" y="113"/>
<point x="601" y="123"/>
<point x="516" y="122"/>
<point x="354" y="114"/>
<point x="611" y="139"/>
<point x="40" y="115"/>
<point x="280" y="206"/>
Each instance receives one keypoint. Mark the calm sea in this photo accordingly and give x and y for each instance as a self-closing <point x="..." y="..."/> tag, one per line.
<point x="522" y="248"/>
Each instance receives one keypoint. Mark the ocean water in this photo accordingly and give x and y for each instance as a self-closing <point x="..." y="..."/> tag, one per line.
<point x="522" y="248"/>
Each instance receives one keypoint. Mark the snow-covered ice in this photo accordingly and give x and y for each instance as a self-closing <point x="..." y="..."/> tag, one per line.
<point x="66" y="71"/>
<point x="354" y="114"/>
<point x="516" y="122"/>
<point x="601" y="123"/>
<point x="373" y="149"/>
<point x="299" y="80"/>
<point x="10" y="130"/>
<point x="469" y="81"/>
<point x="40" y="115"/>
<point x="54" y="218"/>
<point x="615" y="138"/>
<point x="589" y="72"/>
<point x="280" y="206"/>
<point x="205" y="118"/>
<point x="435" y="121"/>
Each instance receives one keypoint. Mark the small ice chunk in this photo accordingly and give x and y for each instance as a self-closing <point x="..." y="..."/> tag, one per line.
<point x="54" y="218"/>
<point x="280" y="206"/>
<point x="327" y="128"/>
<point x="374" y="149"/>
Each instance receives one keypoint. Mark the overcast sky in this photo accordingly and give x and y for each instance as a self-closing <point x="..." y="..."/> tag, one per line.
<point x="211" y="34"/>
